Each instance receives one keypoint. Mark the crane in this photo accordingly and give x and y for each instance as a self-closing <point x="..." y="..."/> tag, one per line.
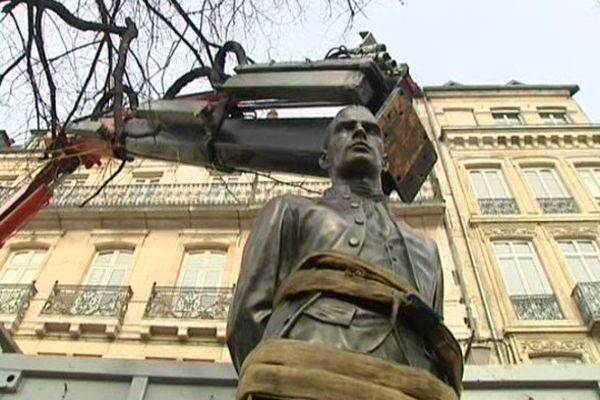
<point x="220" y="127"/>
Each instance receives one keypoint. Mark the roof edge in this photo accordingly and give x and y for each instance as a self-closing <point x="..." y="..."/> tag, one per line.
<point x="572" y="89"/>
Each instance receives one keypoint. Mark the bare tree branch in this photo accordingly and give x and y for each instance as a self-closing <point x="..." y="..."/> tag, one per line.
<point x="130" y="34"/>
<point x="67" y="16"/>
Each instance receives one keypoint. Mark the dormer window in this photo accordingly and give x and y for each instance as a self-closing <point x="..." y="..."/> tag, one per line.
<point x="507" y="117"/>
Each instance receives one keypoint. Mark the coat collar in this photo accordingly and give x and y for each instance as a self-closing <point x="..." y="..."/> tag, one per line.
<point x="344" y="191"/>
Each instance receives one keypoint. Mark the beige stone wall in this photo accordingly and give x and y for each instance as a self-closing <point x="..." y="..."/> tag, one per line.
<point x="159" y="236"/>
<point x="469" y="140"/>
<point x="476" y="298"/>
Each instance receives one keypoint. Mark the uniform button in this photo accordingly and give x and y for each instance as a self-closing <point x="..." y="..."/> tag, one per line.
<point x="346" y="197"/>
<point x="353" y="241"/>
<point x="359" y="220"/>
<point x="354" y="204"/>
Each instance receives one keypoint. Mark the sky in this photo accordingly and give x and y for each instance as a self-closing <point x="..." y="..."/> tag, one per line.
<point x="470" y="41"/>
<point x="467" y="41"/>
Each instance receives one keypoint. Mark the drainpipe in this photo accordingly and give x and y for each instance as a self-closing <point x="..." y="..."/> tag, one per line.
<point x="495" y="338"/>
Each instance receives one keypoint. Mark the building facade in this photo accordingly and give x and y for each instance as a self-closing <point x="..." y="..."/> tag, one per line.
<point x="146" y="269"/>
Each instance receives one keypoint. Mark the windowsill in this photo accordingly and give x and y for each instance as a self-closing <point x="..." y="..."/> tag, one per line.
<point x="545" y="326"/>
<point x="537" y="217"/>
<point x="183" y="329"/>
<point x="77" y="325"/>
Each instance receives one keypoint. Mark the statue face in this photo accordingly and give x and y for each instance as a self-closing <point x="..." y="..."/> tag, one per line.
<point x="354" y="147"/>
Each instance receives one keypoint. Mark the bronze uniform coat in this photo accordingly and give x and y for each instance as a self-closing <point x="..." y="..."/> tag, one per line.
<point x="288" y="229"/>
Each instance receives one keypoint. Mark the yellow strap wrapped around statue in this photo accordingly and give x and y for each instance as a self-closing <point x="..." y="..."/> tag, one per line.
<point x="291" y="369"/>
<point x="347" y="275"/>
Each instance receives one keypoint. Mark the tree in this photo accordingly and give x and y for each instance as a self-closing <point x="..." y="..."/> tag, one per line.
<point x="58" y="59"/>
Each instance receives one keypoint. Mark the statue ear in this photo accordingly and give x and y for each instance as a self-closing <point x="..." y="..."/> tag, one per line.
<point x="324" y="161"/>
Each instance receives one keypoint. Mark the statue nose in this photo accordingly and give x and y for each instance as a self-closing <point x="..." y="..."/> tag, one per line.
<point x="359" y="132"/>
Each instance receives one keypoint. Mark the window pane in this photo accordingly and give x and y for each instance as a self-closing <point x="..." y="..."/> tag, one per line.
<point x="522" y="248"/>
<point x="104" y="258"/>
<point x="124" y="258"/>
<point x="532" y="276"/>
<point x="216" y="260"/>
<point x="496" y="184"/>
<point x="594" y="267"/>
<point x="512" y="278"/>
<point x="554" y="188"/>
<point x="502" y="248"/>
<point x="190" y="278"/>
<point x="213" y="278"/>
<point x="11" y="275"/>
<point x="116" y="277"/>
<point x="28" y="276"/>
<point x="195" y="259"/>
<point x="536" y="184"/>
<point x="95" y="277"/>
<point x="578" y="269"/>
<point x="20" y="258"/>
<point x="587" y="246"/>
<point x="567" y="247"/>
<point x="38" y="257"/>
<point x="479" y="185"/>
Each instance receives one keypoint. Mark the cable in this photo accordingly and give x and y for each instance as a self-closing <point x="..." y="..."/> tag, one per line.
<point x="106" y="182"/>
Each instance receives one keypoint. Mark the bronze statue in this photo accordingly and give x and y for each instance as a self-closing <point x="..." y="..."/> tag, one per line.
<point x="352" y="218"/>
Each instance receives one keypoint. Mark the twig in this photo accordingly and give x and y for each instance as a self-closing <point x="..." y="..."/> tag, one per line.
<point x="106" y="182"/>
<point x="126" y="39"/>
<point x="39" y="43"/>
<point x="66" y="15"/>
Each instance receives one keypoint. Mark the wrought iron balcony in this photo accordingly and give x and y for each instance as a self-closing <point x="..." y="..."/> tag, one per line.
<point x="97" y="301"/>
<point x="14" y="301"/>
<point x="563" y="205"/>
<point x="498" y="206"/>
<point x="536" y="307"/>
<point x="206" y="194"/>
<point x="189" y="302"/>
<point x="587" y="298"/>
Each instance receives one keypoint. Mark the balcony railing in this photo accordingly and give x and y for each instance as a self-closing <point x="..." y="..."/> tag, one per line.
<point x="536" y="307"/>
<point x="97" y="301"/>
<point x="563" y="205"/>
<point x="204" y="194"/>
<point x="189" y="302"/>
<point x="15" y="299"/>
<point x="498" y="206"/>
<point x="587" y="298"/>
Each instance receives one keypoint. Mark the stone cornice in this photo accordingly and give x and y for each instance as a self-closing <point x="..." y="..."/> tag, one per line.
<point x="522" y="137"/>
<point x="512" y="90"/>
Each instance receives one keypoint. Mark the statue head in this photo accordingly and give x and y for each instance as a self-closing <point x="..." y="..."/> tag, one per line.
<point x="353" y="146"/>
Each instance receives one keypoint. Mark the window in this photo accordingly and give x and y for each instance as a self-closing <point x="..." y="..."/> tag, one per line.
<point x="554" y="117"/>
<point x="506" y="117"/>
<point x="492" y="193"/>
<point x="527" y="284"/>
<point x="549" y="191"/>
<point x="109" y="268"/>
<point x="22" y="266"/>
<point x="202" y="268"/>
<point x="591" y="178"/>
<point x="583" y="259"/>
<point x="199" y="294"/>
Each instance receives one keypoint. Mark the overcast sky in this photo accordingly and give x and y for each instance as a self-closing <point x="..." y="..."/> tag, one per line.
<point x="473" y="41"/>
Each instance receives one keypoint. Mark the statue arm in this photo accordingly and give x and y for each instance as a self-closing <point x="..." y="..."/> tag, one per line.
<point x="261" y="265"/>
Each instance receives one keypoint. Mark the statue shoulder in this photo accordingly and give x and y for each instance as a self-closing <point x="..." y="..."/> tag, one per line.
<point x="289" y="202"/>
<point x="418" y="236"/>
